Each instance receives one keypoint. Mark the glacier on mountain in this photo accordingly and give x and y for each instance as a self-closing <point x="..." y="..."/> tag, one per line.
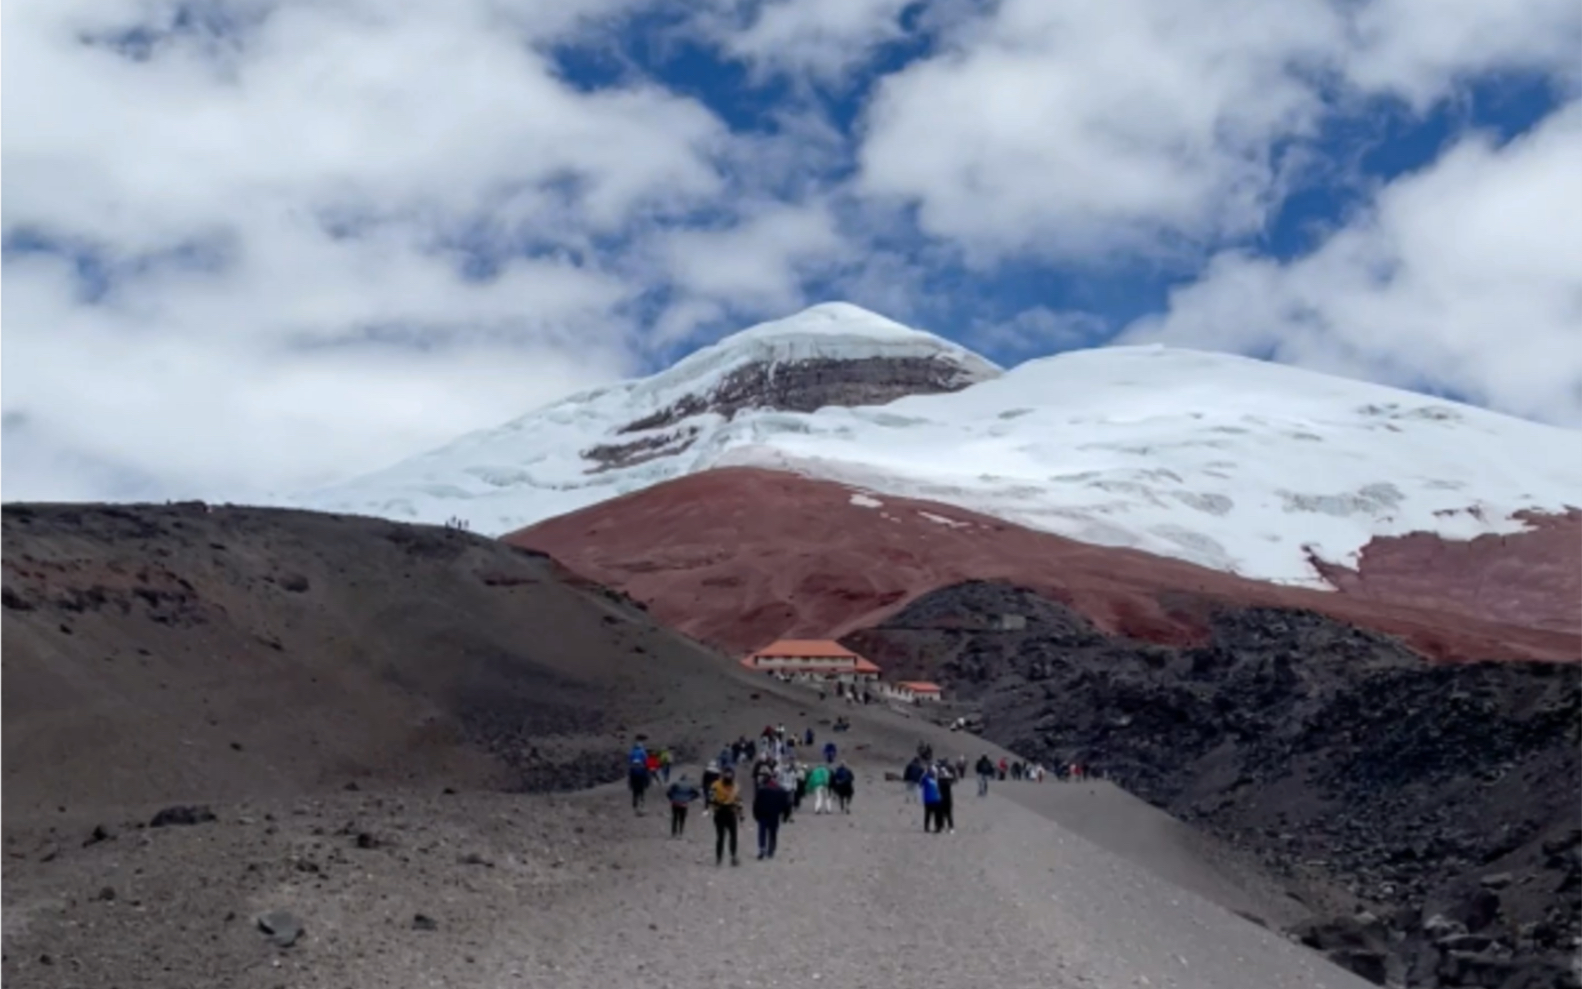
<point x="1233" y="463"/>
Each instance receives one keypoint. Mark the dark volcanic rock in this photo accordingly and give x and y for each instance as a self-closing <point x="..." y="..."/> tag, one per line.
<point x="1337" y="756"/>
<point x="182" y="814"/>
<point x="790" y="386"/>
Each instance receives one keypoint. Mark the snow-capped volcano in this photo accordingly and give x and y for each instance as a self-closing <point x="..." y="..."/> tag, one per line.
<point x="610" y="441"/>
<point x="1236" y="464"/>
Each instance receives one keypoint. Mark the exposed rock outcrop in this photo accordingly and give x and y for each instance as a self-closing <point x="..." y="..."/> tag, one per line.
<point x="786" y="386"/>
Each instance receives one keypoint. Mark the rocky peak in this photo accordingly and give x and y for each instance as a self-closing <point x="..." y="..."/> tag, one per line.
<point x="831" y="354"/>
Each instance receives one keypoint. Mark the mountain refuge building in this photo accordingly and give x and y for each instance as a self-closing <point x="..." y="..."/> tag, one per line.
<point x="812" y="659"/>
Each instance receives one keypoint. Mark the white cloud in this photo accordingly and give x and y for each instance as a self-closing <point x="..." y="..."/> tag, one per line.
<point x="809" y="39"/>
<point x="327" y="163"/>
<point x="283" y="205"/>
<point x="755" y="263"/>
<point x="1078" y="129"/>
<point x="1417" y="49"/>
<point x="1039" y="330"/>
<point x="1148" y="127"/>
<point x="1464" y="276"/>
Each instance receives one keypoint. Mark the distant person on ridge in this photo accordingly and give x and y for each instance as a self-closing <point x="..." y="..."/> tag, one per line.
<point x="681" y="794"/>
<point x="818" y="785"/>
<point x="665" y="760"/>
<point x="843" y="782"/>
<point x="770" y="804"/>
<point x="727" y="801"/>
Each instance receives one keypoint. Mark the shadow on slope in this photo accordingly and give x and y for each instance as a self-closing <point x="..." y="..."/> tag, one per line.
<point x="164" y="653"/>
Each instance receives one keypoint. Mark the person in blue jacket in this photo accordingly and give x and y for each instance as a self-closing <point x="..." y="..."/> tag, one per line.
<point x="913" y="775"/>
<point x="933" y="801"/>
<point x="637" y="775"/>
<point x="829" y="753"/>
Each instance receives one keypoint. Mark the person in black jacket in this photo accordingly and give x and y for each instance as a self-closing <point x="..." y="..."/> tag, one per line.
<point x="770" y="803"/>
<point x="844" y="783"/>
<point x="985" y="769"/>
<point x="945" y="813"/>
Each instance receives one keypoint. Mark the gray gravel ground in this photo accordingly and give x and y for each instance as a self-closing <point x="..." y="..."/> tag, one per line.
<point x="871" y="900"/>
<point x="577" y="891"/>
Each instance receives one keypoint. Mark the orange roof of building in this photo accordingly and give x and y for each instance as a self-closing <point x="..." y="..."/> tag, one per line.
<point x="798" y="648"/>
<point x="921" y="686"/>
<point x="859" y="665"/>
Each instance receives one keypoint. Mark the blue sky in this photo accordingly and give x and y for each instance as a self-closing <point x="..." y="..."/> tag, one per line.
<point x="256" y="245"/>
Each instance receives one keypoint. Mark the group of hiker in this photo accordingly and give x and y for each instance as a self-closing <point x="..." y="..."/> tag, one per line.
<point x="644" y="768"/>
<point x="783" y="781"/>
<point x="781" y="784"/>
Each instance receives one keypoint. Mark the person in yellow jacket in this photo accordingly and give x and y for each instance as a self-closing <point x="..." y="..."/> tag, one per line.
<point x="726" y="798"/>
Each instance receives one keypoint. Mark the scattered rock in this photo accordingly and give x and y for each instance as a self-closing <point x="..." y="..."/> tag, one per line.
<point x="100" y="833"/>
<point x="283" y="927"/>
<point x="106" y="894"/>
<point x="423" y="922"/>
<point x="182" y="814"/>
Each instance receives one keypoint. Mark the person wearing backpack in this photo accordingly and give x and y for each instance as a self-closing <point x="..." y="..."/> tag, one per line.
<point x="932" y="801"/>
<point x="681" y="795"/>
<point x="727" y="800"/>
<point x="843" y="782"/>
<point x="637" y="775"/>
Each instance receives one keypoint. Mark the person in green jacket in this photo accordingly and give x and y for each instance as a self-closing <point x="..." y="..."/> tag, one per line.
<point x="818" y="786"/>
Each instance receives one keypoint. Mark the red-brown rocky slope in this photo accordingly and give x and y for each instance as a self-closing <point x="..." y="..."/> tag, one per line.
<point x="738" y="557"/>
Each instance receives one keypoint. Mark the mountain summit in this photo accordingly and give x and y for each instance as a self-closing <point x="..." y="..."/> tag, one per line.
<point x="1239" y="465"/>
<point x="609" y="441"/>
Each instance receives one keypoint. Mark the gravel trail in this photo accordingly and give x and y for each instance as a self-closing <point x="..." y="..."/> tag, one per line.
<point x="870" y="900"/>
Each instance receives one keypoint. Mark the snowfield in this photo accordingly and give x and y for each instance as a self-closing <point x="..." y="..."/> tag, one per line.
<point x="1233" y="463"/>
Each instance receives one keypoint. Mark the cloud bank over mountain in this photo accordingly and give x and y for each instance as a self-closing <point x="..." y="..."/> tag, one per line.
<point x="255" y="245"/>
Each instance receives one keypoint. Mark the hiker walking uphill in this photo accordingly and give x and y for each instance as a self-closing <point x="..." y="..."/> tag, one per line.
<point x="711" y="772"/>
<point x="945" y="813"/>
<point x="818" y="780"/>
<point x="638" y="775"/>
<point x="932" y="797"/>
<point x="681" y="795"/>
<point x="770" y="803"/>
<point x="726" y="798"/>
<point x="985" y="769"/>
<point x="843" y="782"/>
<point x="913" y="775"/>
